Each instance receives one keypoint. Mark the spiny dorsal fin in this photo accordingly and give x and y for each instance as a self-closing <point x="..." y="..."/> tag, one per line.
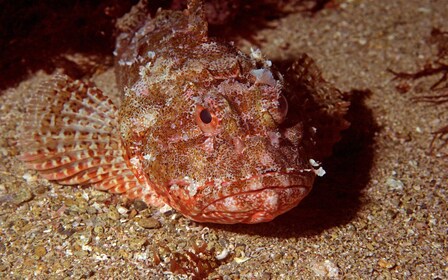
<point x="196" y="18"/>
<point x="70" y="136"/>
<point x="134" y="19"/>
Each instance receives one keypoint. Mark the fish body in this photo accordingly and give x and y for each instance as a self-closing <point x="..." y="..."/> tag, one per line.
<point x="216" y="134"/>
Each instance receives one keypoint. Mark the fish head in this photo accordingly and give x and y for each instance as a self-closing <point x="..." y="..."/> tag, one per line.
<point x="218" y="146"/>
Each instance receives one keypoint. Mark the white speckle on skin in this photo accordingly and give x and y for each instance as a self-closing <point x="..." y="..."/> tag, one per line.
<point x="275" y="138"/>
<point x="271" y="201"/>
<point x="141" y="71"/>
<point x="135" y="161"/>
<point x="208" y="45"/>
<point x="208" y="145"/>
<point x="256" y="54"/>
<point x="255" y="185"/>
<point x="140" y="59"/>
<point x="193" y="185"/>
<point x="266" y="159"/>
<point x="145" y="70"/>
<point x="285" y="180"/>
<point x="150" y="118"/>
<point x="193" y="189"/>
<point x="263" y="76"/>
<point x="140" y="88"/>
<point x="231" y="204"/>
<point x="151" y="54"/>
<point x="149" y="157"/>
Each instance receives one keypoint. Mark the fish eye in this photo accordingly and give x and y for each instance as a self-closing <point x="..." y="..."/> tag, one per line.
<point x="205" y="116"/>
<point x="206" y="120"/>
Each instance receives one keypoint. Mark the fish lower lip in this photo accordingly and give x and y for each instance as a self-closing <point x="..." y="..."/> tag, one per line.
<point x="257" y="206"/>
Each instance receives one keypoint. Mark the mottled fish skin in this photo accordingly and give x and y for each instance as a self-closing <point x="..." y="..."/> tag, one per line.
<point x="216" y="134"/>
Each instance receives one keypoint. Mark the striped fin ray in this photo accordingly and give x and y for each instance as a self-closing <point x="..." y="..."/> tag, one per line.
<point x="77" y="167"/>
<point x="51" y="161"/>
<point x="70" y="136"/>
<point x="54" y="147"/>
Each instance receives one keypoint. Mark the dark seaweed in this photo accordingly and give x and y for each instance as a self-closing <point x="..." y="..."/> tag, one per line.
<point x="439" y="89"/>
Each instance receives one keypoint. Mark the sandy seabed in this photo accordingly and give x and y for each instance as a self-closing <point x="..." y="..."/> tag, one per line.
<point x="379" y="213"/>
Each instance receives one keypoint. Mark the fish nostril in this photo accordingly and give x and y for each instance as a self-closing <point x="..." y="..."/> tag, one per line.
<point x="238" y="144"/>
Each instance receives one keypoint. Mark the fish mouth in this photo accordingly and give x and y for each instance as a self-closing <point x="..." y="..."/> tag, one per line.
<point x="258" y="199"/>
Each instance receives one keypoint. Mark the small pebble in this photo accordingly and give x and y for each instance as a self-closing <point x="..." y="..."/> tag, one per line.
<point x="40" y="251"/>
<point x="22" y="196"/>
<point x="40" y="190"/>
<point x="113" y="214"/>
<point x="122" y="210"/>
<point x="266" y="276"/>
<point x="29" y="178"/>
<point x="132" y="213"/>
<point x="137" y="244"/>
<point x="98" y="230"/>
<point x="148" y="223"/>
<point x="69" y="202"/>
<point x="325" y="269"/>
<point x="385" y="264"/>
<point x="91" y="210"/>
<point x="395" y="184"/>
<point x="3" y="267"/>
<point x="223" y="254"/>
<point x="140" y="205"/>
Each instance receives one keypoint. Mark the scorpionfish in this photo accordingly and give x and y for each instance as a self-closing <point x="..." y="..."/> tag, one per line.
<point x="216" y="134"/>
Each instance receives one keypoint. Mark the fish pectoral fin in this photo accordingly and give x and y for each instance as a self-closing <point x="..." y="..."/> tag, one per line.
<point x="323" y="106"/>
<point x="70" y="136"/>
